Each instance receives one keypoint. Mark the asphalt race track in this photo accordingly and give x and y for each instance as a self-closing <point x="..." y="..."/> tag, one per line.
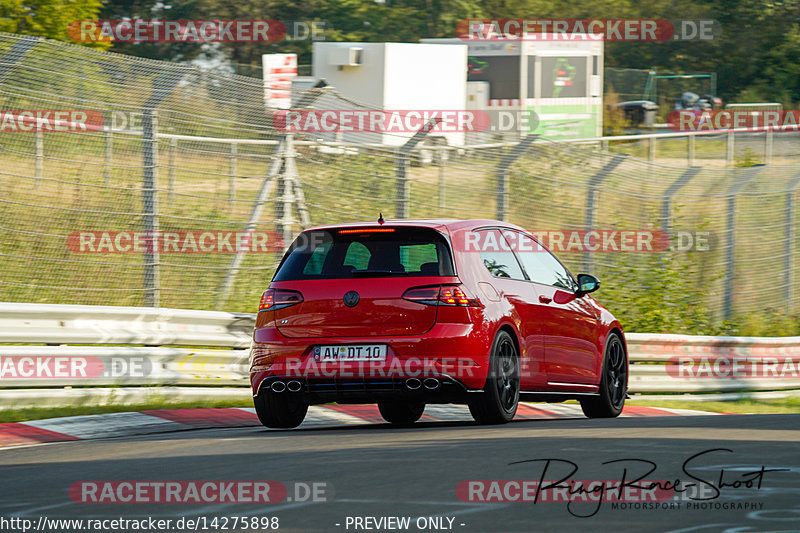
<point x="373" y="470"/>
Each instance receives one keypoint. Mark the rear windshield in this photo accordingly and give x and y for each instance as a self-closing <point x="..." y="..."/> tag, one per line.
<point x="374" y="252"/>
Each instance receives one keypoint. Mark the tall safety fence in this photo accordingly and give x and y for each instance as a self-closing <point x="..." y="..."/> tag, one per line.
<point x="183" y="193"/>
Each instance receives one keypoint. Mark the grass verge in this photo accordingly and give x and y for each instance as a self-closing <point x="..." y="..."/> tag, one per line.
<point x="39" y="413"/>
<point x="750" y="405"/>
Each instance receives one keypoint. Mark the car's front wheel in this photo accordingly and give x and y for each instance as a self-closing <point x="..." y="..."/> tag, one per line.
<point x="613" y="384"/>
<point x="497" y="404"/>
<point x="401" y="413"/>
<point x="280" y="410"/>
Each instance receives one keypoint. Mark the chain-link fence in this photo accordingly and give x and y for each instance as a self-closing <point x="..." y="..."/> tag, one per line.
<point x="193" y="158"/>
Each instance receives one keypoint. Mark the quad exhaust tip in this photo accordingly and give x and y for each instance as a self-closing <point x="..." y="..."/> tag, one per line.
<point x="431" y="383"/>
<point x="294" y="386"/>
<point x="413" y="384"/>
<point x="278" y="386"/>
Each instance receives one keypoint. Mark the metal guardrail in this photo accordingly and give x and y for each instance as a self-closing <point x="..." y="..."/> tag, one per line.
<point x="88" y="324"/>
<point x="697" y="363"/>
<point x="135" y="346"/>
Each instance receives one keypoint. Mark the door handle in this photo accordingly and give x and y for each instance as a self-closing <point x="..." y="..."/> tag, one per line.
<point x="545" y="299"/>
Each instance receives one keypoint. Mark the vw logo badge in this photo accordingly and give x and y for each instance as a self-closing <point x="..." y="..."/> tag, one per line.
<point x="351" y="299"/>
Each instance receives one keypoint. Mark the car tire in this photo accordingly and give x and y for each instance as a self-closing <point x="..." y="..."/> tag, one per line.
<point x="280" y="410"/>
<point x="613" y="383"/>
<point x="401" y="414"/>
<point x="497" y="404"/>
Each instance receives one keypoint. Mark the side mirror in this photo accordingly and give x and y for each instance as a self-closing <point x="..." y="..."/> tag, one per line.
<point x="587" y="283"/>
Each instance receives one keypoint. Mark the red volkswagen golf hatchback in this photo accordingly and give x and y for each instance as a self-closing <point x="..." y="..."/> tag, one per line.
<point x="411" y="312"/>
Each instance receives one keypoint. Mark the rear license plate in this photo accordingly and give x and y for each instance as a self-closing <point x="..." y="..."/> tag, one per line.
<point x="351" y="352"/>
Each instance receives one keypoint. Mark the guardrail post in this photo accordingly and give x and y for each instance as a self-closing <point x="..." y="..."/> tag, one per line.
<point x="730" y="237"/>
<point x="691" y="150"/>
<point x="789" y="244"/>
<point x="503" y="185"/>
<point x="591" y="201"/>
<point x="666" y="204"/>
<point x="402" y="163"/>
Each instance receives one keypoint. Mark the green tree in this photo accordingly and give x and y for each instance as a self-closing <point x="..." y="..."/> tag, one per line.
<point x="47" y="18"/>
<point x="157" y="10"/>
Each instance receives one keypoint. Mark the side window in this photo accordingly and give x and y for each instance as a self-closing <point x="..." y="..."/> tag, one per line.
<point x="540" y="265"/>
<point x="357" y="256"/>
<point x="497" y="256"/>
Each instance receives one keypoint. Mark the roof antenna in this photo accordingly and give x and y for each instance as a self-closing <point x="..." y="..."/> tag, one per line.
<point x="380" y="219"/>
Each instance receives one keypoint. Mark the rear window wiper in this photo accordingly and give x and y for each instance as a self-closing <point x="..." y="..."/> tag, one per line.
<point x="377" y="273"/>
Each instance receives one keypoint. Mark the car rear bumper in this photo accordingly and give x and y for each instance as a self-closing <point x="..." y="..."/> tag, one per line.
<point x="368" y="390"/>
<point x="454" y="354"/>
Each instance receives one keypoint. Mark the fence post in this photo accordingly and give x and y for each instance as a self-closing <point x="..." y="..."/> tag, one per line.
<point x="284" y="198"/>
<point x="255" y="215"/>
<point x="651" y="150"/>
<point x="164" y="84"/>
<point x="789" y="243"/>
<point x="505" y="163"/>
<point x="402" y="163"/>
<point x="441" y="160"/>
<point x="108" y="154"/>
<point x="232" y="176"/>
<point x="290" y="172"/>
<point x="150" y="201"/>
<point x="666" y="204"/>
<point x="768" y="147"/>
<point x="729" y="149"/>
<point x="591" y="201"/>
<point x="8" y="62"/>
<point x="173" y="149"/>
<point x="39" y="148"/>
<point x="730" y="237"/>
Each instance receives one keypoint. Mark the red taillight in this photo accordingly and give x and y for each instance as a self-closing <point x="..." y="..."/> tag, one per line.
<point x="453" y="295"/>
<point x="278" y="299"/>
<point x="423" y="295"/>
